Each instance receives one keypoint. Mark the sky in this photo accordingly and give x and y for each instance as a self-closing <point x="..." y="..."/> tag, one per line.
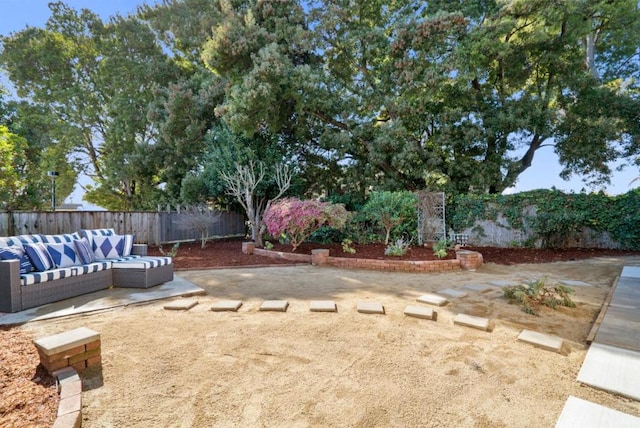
<point x="544" y="173"/>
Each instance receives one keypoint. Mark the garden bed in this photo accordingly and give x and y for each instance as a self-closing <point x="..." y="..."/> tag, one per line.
<point x="228" y="253"/>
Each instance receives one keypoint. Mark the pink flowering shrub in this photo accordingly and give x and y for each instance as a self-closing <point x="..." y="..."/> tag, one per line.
<point x="298" y="219"/>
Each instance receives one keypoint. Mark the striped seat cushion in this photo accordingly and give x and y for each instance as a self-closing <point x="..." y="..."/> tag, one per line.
<point x="92" y="267"/>
<point x="142" y="263"/>
<point x="50" y="275"/>
<point x="121" y="259"/>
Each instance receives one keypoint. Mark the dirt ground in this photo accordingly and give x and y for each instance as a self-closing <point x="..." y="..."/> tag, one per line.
<point x="296" y="369"/>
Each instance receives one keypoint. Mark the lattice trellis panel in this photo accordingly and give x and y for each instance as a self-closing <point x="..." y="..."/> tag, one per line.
<point x="431" y="216"/>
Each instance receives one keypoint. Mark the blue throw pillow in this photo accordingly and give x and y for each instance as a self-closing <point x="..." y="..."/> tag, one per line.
<point x="108" y="247"/>
<point x="17" y="253"/>
<point x="63" y="254"/>
<point x="85" y="253"/>
<point x="127" y="244"/>
<point x="39" y="256"/>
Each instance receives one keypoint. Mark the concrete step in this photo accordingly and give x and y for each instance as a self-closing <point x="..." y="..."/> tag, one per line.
<point x="181" y="305"/>
<point x="541" y="340"/>
<point x="432" y="299"/>
<point x="420" y="312"/>
<point x="227" y="305"/>
<point x="472" y="321"/>
<point x="323" y="306"/>
<point x="370" y="308"/>
<point x="274" y="305"/>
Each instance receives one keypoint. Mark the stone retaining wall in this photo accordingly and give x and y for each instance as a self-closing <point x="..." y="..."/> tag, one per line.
<point x="468" y="260"/>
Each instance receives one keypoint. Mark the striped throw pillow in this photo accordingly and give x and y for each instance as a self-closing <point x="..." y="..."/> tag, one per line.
<point x="128" y="244"/>
<point x="85" y="253"/>
<point x="39" y="256"/>
<point x="17" y="253"/>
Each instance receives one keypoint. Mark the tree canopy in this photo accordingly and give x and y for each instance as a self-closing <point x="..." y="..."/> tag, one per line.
<point x="356" y="94"/>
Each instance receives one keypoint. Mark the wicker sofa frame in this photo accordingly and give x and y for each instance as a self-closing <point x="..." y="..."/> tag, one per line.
<point x="14" y="297"/>
<point x="142" y="278"/>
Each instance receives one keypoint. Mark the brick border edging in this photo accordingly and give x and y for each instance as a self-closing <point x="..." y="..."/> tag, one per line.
<point x="465" y="259"/>
<point x="282" y="255"/>
<point x="70" y="405"/>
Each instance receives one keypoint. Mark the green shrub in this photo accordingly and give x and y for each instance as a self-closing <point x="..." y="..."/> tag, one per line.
<point x="441" y="247"/>
<point x="530" y="296"/>
<point x="327" y="235"/>
<point x="347" y="246"/>
<point x="392" y="211"/>
<point x="398" y="248"/>
<point x="172" y="253"/>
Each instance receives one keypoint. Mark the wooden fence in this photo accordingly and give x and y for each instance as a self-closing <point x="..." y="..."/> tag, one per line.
<point x="152" y="228"/>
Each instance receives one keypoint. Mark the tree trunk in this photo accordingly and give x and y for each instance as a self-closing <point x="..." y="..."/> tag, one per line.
<point x="257" y="233"/>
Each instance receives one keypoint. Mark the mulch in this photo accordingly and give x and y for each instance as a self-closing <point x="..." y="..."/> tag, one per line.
<point x="228" y="253"/>
<point x="28" y="395"/>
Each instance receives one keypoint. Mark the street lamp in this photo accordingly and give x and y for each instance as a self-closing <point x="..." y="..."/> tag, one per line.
<point x="53" y="175"/>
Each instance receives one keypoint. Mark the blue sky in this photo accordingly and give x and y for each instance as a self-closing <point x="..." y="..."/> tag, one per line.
<point x="544" y="172"/>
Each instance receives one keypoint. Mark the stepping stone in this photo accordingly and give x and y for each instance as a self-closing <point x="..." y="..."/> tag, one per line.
<point x="453" y="293"/>
<point x="571" y="283"/>
<point x="579" y="413"/>
<point x="501" y="283"/>
<point x="227" y="305"/>
<point x="540" y="340"/>
<point x="611" y="369"/>
<point x="274" y="305"/>
<point x="323" y="306"/>
<point x="471" y="321"/>
<point x="181" y="305"/>
<point x="432" y="299"/>
<point x="631" y="271"/>
<point x="370" y="308"/>
<point x="481" y="288"/>
<point x="420" y="312"/>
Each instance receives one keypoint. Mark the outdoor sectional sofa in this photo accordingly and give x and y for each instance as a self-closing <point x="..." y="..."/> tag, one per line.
<point x="49" y="268"/>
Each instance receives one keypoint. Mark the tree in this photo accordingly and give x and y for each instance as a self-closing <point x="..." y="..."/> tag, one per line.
<point x="12" y="155"/>
<point x="243" y="184"/>
<point x="199" y="218"/>
<point x="31" y="154"/>
<point x="96" y="80"/>
<point x="182" y="114"/>
<point x="274" y="84"/>
<point x="297" y="219"/>
<point x="390" y="209"/>
<point x="451" y="95"/>
<point x="357" y="94"/>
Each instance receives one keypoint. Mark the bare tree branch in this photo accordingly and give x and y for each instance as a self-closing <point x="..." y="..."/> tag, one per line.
<point x="242" y="185"/>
